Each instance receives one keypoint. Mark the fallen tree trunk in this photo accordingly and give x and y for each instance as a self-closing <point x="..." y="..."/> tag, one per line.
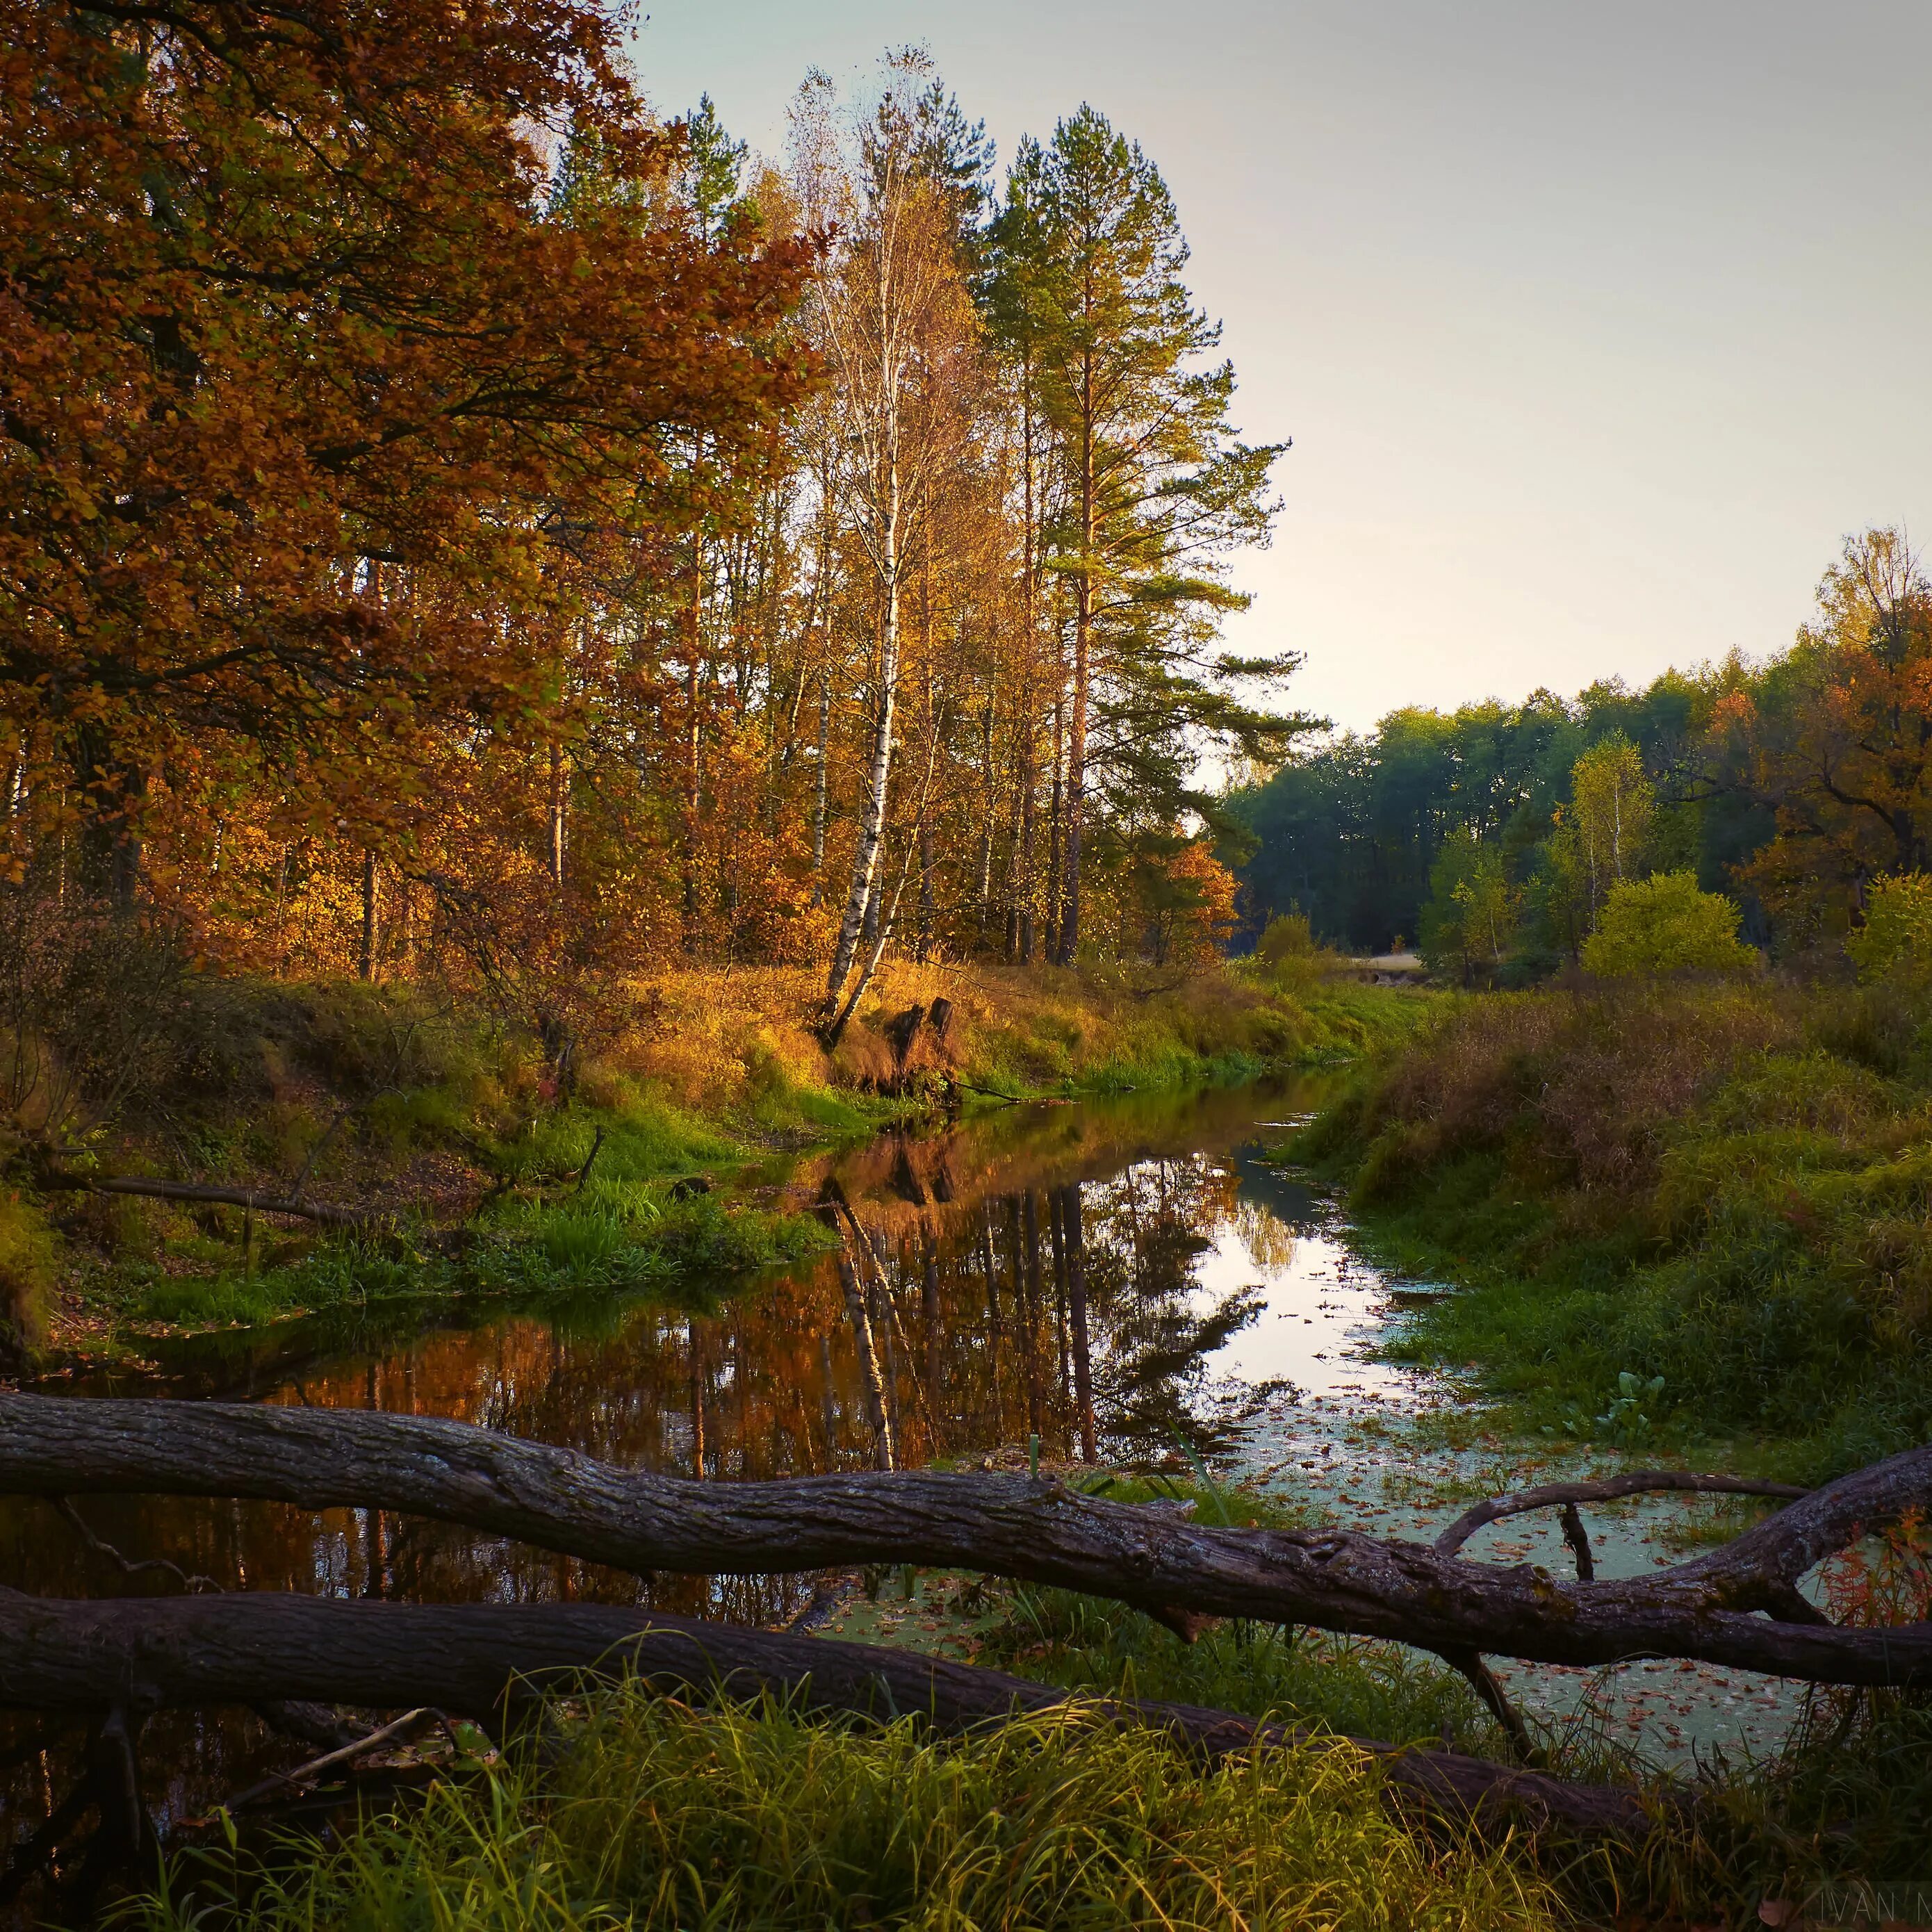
<point x="1707" y="1609"/>
<point x="1605" y="1489"/>
<point x="245" y="1647"/>
<point x="196" y="1191"/>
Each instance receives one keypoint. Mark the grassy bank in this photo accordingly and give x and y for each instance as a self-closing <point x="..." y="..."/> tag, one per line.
<point x="659" y="1815"/>
<point x="1676" y="1211"/>
<point x="639" y="1811"/>
<point x="496" y="1164"/>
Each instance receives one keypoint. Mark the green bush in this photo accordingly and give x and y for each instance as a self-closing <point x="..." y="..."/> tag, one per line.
<point x="1895" y="942"/>
<point x="1288" y="936"/>
<point x="1650" y="927"/>
<point x="1708" y="1181"/>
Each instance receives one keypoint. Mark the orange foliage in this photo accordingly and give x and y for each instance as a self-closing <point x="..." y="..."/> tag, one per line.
<point x="1187" y="897"/>
<point x="300" y="377"/>
<point x="1839" y="739"/>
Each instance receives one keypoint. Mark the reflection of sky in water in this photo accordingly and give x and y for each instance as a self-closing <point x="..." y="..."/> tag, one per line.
<point x="1323" y="1309"/>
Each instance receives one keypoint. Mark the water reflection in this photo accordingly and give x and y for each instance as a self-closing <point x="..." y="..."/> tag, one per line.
<point x="1100" y="1276"/>
<point x="1073" y="1273"/>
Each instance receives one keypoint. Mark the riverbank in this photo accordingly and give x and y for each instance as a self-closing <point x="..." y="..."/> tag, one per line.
<point x="487" y="1160"/>
<point x="1200" y="1265"/>
<point x="1680" y="1215"/>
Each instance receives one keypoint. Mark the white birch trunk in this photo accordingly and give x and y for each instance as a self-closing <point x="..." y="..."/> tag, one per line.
<point x="871" y="824"/>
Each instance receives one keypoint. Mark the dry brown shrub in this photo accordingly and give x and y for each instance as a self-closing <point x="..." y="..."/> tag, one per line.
<point x="1588" y="1081"/>
<point x="1630" y="1064"/>
<point x="1469" y="1080"/>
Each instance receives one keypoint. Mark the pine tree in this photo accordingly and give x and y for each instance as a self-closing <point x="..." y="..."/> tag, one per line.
<point x="1086" y="287"/>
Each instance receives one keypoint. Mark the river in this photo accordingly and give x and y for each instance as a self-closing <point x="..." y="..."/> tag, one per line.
<point x="1124" y="1275"/>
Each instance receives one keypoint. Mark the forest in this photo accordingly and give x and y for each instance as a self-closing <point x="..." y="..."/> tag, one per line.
<point x="463" y="524"/>
<point x="1492" y="836"/>
<point x="714" y="1208"/>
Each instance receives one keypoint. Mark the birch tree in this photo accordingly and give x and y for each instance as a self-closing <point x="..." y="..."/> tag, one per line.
<point x="898" y="331"/>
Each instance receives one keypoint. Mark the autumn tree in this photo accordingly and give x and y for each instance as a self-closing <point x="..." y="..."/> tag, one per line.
<point x="298" y="383"/>
<point x="897" y="329"/>
<point x="456" y="524"/>
<point x="1836" y="739"/>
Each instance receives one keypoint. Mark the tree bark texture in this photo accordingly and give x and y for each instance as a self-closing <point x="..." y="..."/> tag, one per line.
<point x="1709" y="1609"/>
<point x="147" y="1653"/>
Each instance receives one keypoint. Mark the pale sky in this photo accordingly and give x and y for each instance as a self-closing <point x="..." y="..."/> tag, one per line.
<point x="1597" y="326"/>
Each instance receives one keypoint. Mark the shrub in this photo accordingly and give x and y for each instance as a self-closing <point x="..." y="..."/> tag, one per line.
<point x="1665" y="924"/>
<point x="1289" y="937"/>
<point x="1895" y="942"/>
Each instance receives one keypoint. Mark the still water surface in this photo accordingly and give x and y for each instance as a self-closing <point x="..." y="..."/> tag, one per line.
<point x="1125" y="1278"/>
<point x="1119" y="1276"/>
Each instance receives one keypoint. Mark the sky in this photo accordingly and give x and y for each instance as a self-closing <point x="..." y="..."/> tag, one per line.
<point x="1597" y="327"/>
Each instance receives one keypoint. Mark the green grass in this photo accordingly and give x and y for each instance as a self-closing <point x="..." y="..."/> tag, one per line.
<point x="1301" y="1676"/>
<point x="626" y="1226"/>
<point x="1304" y="1677"/>
<point x="616" y="1239"/>
<point x="384" y="1095"/>
<point x="660" y="1815"/>
<point x="1095" y="1033"/>
<point x="1730" y="1190"/>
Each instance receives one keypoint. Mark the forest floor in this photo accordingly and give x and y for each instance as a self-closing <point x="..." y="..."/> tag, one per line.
<point x="487" y="1168"/>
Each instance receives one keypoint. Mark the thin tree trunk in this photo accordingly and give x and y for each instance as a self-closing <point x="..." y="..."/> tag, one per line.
<point x="365" y="956"/>
<point x="1083" y="633"/>
<point x="1060" y="1293"/>
<point x="557" y="799"/>
<point x="985" y="892"/>
<point x="818" y="802"/>
<point x="994" y="1323"/>
<point x="871" y="827"/>
<point x="1030" y="593"/>
<point x="1029" y="813"/>
<point x="1076" y="1313"/>
<point x="928" y="903"/>
<point x="827" y="1407"/>
<point x="694" y="769"/>
<point x="1057" y="841"/>
<point x="930" y="1316"/>
<point x="694" y="1363"/>
<point x="871" y="1381"/>
<point x="1023" y="1224"/>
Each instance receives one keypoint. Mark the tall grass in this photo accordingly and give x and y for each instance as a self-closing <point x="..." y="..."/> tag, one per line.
<point x="660" y="1815"/>
<point x="1357" y="1688"/>
<point x="1727" y="1187"/>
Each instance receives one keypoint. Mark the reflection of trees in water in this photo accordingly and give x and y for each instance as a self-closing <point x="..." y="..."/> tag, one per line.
<point x="988" y="1321"/>
<point x="1269" y="1240"/>
<point x="1009" y="1288"/>
<point x="1147" y="1229"/>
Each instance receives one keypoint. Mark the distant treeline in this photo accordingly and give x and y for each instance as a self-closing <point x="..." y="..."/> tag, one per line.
<point x="1491" y="835"/>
